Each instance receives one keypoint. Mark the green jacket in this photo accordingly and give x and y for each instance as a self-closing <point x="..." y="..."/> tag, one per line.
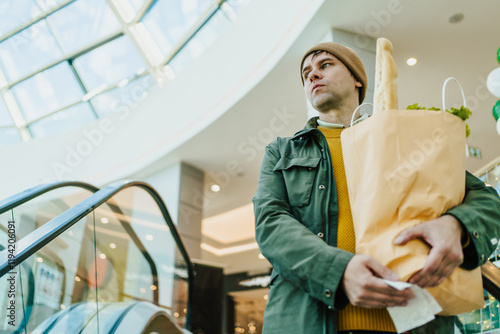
<point x="296" y="216"/>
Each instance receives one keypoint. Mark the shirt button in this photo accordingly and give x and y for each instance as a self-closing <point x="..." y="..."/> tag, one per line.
<point x="476" y="234"/>
<point x="483" y="257"/>
<point x="321" y="187"/>
<point x="328" y="293"/>
<point x="310" y="168"/>
<point x="321" y="235"/>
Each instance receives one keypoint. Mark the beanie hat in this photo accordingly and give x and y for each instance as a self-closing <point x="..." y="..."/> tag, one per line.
<point x="348" y="57"/>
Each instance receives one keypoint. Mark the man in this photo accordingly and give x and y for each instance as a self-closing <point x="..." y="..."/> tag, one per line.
<point x="304" y="224"/>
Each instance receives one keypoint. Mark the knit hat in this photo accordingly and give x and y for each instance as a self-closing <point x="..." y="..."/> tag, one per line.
<point x="347" y="56"/>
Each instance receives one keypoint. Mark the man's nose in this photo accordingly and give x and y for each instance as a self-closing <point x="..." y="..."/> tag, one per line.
<point x="314" y="75"/>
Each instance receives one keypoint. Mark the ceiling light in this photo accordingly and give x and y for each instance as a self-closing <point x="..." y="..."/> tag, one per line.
<point x="148" y="237"/>
<point x="215" y="188"/>
<point x="112" y="245"/>
<point x="261" y="256"/>
<point x="104" y="220"/>
<point x="39" y="260"/>
<point x="456" y="18"/>
<point x="266" y="297"/>
<point x="411" y="61"/>
<point x="102" y="256"/>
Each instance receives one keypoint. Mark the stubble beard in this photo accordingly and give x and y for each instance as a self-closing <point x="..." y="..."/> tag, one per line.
<point x="324" y="104"/>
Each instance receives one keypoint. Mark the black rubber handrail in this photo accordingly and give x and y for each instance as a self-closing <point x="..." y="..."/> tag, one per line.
<point x="40" y="237"/>
<point x="491" y="279"/>
<point x="29" y="194"/>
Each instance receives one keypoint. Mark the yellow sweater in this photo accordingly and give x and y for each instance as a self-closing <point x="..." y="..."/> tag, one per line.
<point x="352" y="317"/>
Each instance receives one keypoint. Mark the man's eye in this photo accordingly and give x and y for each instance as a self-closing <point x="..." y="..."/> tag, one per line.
<point x="306" y="75"/>
<point x="325" y="65"/>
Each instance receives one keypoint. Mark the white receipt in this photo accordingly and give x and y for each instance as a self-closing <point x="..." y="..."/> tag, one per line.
<point x="419" y="311"/>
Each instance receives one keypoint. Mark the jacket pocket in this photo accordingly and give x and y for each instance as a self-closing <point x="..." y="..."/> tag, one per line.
<point x="299" y="174"/>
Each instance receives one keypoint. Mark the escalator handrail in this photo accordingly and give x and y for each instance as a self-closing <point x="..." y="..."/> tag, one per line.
<point x="491" y="279"/>
<point x="29" y="194"/>
<point x="40" y="237"/>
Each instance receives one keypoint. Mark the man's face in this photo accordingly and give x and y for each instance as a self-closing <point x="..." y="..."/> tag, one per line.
<point x="328" y="83"/>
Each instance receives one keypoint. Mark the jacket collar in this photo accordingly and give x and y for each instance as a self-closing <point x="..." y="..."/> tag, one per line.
<point x="309" y="129"/>
<point x="312" y="125"/>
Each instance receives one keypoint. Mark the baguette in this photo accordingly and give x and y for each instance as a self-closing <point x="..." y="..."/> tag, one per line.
<point x="385" y="94"/>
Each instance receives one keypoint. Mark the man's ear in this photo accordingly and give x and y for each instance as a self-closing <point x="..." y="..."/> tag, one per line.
<point x="358" y="84"/>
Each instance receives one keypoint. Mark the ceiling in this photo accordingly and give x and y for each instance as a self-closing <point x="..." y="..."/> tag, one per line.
<point x="420" y="29"/>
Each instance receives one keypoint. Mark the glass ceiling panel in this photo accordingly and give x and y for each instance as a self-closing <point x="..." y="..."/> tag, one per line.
<point x="123" y="99"/>
<point x="137" y="4"/>
<point x="64" y="120"/>
<point x="9" y="136"/>
<point x="82" y="23"/>
<point x="47" y="91"/>
<point x="15" y="13"/>
<point x="109" y="63"/>
<point x="5" y="118"/>
<point x="28" y="51"/>
<point x="238" y="5"/>
<point x="169" y="20"/>
<point x="47" y="5"/>
<point x="200" y="42"/>
<point x="75" y="27"/>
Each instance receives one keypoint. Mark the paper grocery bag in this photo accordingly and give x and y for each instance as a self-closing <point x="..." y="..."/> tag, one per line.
<point x="405" y="167"/>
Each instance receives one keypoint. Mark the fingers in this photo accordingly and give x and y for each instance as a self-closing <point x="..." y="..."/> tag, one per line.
<point x="443" y="236"/>
<point x="378" y="294"/>
<point x="429" y="278"/>
<point x="410" y="234"/>
<point x="364" y="287"/>
<point x="380" y="270"/>
<point x="440" y="264"/>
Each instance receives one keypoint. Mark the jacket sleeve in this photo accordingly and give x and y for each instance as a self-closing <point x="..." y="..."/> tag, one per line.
<point x="299" y="256"/>
<point x="479" y="213"/>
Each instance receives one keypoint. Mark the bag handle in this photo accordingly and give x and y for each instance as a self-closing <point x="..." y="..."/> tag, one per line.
<point x="354" y="113"/>
<point x="444" y="91"/>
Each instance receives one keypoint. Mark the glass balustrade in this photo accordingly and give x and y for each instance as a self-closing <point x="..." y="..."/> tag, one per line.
<point x="120" y="259"/>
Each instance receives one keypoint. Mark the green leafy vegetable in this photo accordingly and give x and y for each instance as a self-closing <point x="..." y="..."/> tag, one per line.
<point x="417" y="107"/>
<point x="464" y="113"/>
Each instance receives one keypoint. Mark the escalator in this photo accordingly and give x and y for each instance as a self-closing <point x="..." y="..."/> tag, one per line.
<point x="105" y="261"/>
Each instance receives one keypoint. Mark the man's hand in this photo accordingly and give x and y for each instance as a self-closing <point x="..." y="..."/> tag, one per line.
<point x="443" y="235"/>
<point x="364" y="287"/>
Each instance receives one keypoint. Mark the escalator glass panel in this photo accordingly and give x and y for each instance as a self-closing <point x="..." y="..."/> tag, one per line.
<point x="54" y="280"/>
<point x="136" y="246"/>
